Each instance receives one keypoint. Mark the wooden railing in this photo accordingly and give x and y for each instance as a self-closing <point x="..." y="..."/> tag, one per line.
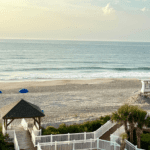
<point x="80" y="145"/>
<point x="73" y="136"/>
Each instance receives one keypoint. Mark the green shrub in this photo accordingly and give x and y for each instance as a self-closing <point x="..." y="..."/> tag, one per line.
<point x="73" y="128"/>
<point x="104" y="119"/>
<point x="145" y="141"/>
<point x="0" y="127"/>
<point x="62" y="128"/>
<point x="88" y="126"/>
<point x="148" y="125"/>
<point x="51" y="128"/>
<point x="3" y="144"/>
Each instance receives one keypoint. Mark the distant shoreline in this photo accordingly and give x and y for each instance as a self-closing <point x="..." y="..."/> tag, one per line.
<point x="35" y="86"/>
<point x="58" y="79"/>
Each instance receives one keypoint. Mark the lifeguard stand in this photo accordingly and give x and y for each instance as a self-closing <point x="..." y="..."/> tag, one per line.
<point x="145" y="86"/>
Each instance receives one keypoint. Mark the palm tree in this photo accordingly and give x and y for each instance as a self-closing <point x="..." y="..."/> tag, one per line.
<point x="123" y="143"/>
<point x="121" y="116"/>
<point x="142" y="120"/>
<point x="131" y="120"/>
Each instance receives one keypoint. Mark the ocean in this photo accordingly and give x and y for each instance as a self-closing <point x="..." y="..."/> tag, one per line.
<point x="48" y="59"/>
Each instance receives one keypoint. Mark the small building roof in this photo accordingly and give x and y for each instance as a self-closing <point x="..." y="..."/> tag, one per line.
<point x="21" y="109"/>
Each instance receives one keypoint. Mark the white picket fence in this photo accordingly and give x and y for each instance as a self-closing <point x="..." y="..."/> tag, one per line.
<point x="72" y="136"/>
<point x="79" y="145"/>
<point x="103" y="129"/>
<point x="115" y="138"/>
<point x="37" y="132"/>
<point x="12" y="135"/>
<point x="128" y="146"/>
<point x="62" y="137"/>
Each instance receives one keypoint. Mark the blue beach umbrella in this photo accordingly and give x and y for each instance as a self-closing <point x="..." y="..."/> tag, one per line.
<point x="0" y="92"/>
<point x="23" y="91"/>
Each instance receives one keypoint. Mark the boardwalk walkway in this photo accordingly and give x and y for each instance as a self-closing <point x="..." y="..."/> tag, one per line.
<point x="106" y="136"/>
<point x="24" y="138"/>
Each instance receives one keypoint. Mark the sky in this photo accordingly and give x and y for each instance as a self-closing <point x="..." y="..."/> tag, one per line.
<point x="92" y="20"/>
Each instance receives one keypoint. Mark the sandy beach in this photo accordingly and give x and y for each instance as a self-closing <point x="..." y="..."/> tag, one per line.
<point x="74" y="100"/>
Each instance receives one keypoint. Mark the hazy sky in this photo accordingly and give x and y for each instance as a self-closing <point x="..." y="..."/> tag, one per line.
<point x="121" y="20"/>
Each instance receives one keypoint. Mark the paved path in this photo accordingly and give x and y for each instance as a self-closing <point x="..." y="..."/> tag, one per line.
<point x="24" y="138"/>
<point x="106" y="136"/>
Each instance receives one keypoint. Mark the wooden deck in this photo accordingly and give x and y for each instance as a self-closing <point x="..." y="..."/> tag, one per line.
<point x="24" y="138"/>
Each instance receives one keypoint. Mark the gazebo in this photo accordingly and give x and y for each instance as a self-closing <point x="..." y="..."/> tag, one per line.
<point x="21" y="109"/>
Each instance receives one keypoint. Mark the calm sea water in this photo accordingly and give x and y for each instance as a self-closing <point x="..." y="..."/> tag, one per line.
<point x="37" y="59"/>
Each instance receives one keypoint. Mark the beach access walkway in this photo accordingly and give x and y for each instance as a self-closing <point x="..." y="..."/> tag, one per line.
<point x="106" y="136"/>
<point x="24" y="138"/>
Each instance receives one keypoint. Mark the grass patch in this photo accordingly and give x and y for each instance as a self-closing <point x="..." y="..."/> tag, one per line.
<point x="88" y="126"/>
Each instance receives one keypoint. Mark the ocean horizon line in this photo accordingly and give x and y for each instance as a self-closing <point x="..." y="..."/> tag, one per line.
<point x="36" y="39"/>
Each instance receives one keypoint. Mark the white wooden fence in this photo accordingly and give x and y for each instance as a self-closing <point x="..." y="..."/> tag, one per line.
<point x="128" y="146"/>
<point x="73" y="136"/>
<point x="12" y="135"/>
<point x="79" y="145"/>
<point x="37" y="132"/>
<point x="61" y="137"/>
<point x="115" y="138"/>
<point x="33" y="138"/>
<point x="3" y="129"/>
<point x="16" y="142"/>
<point x="103" y="129"/>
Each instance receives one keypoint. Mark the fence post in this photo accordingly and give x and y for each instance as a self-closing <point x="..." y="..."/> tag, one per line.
<point x="91" y="143"/>
<point x="84" y="136"/>
<point x="38" y="146"/>
<point x="110" y="137"/>
<point x="14" y="136"/>
<point x="68" y="136"/>
<point x="74" y="145"/>
<point x="97" y="143"/>
<point x="115" y="146"/>
<point x="94" y="134"/>
<point x="51" y="138"/>
<point x="55" y="145"/>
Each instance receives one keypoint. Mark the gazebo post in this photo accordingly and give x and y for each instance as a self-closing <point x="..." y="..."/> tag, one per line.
<point x="6" y="124"/>
<point x="39" y="123"/>
<point x="34" y="121"/>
